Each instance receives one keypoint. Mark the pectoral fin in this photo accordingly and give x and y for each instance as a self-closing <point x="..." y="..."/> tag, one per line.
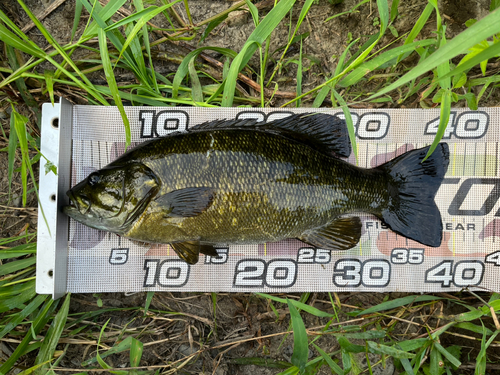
<point x="190" y="250"/>
<point x="340" y="234"/>
<point x="188" y="202"/>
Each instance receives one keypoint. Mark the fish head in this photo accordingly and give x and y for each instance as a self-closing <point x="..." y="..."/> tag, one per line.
<point x="112" y="198"/>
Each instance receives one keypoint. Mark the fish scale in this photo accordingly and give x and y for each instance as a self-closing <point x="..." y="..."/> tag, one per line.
<point x="240" y="182"/>
<point x="285" y="184"/>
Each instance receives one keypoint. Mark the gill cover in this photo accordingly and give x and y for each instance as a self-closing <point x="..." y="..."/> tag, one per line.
<point x="114" y="197"/>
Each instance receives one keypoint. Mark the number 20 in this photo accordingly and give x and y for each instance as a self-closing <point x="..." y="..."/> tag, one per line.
<point x="278" y="273"/>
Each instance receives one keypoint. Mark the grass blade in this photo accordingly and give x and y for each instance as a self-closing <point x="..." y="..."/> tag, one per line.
<point x="18" y="301"/>
<point x="373" y="64"/>
<point x="389" y="305"/>
<point x="12" y="40"/>
<point x="253" y="11"/>
<point x="196" y="92"/>
<point x="487" y="53"/>
<point x="133" y="17"/>
<point x="422" y="20"/>
<point x="436" y="363"/>
<point x="257" y="361"/>
<point x="20" y="126"/>
<point x="444" y="118"/>
<point x="49" y="80"/>
<point x="142" y="22"/>
<point x="76" y="19"/>
<point x="15" y="58"/>
<point x="183" y="68"/>
<point x="212" y="25"/>
<point x="254" y="41"/>
<point x="16" y="265"/>
<point x="88" y="85"/>
<point x="299" y="75"/>
<point x="292" y="39"/>
<point x="136" y="348"/>
<point x="352" y="10"/>
<point x="481" y="357"/>
<point x="349" y="122"/>
<point x="13" y="140"/>
<point x="309" y="309"/>
<point x="478" y="32"/>
<point x="455" y="362"/>
<point x="110" y="77"/>
<point x="39" y="322"/>
<point x="300" y="342"/>
<point x="389" y="350"/>
<point x="53" y="335"/>
<point x="329" y="361"/>
<point x="136" y="49"/>
<point x="145" y="38"/>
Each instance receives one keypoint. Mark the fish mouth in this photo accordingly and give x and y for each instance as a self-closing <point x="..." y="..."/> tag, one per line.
<point x="77" y="206"/>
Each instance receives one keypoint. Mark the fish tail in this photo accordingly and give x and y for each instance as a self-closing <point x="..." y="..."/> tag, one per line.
<point x="412" y="186"/>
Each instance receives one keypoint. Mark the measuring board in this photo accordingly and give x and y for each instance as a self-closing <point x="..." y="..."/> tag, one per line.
<point x="74" y="258"/>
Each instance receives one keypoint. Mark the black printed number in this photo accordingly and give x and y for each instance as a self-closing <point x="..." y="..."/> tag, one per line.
<point x="169" y="273"/>
<point x="311" y="255"/>
<point x="465" y="273"/>
<point x="403" y="255"/>
<point x="372" y="273"/>
<point x="493" y="258"/>
<point x="118" y="256"/>
<point x="466" y="125"/>
<point x="254" y="273"/>
<point x="220" y="259"/>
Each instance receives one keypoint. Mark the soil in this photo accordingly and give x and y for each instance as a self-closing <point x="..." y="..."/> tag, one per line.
<point x="238" y="316"/>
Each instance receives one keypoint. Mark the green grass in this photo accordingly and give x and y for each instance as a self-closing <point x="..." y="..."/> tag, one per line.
<point x="432" y="70"/>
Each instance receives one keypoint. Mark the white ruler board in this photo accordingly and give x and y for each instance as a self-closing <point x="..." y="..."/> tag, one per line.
<point x="92" y="261"/>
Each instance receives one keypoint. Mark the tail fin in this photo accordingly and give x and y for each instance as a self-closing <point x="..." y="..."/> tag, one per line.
<point x="411" y="210"/>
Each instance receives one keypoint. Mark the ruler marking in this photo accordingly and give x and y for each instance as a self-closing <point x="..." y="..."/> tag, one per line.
<point x="485" y="158"/>
<point x="465" y="157"/>
<point x="496" y="159"/>
<point x="475" y="156"/>
<point x="99" y="153"/>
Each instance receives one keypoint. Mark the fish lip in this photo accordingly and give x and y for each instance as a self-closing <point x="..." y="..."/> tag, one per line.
<point x="73" y="203"/>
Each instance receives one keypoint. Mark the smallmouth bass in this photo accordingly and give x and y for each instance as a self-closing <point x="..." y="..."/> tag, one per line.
<point x="243" y="182"/>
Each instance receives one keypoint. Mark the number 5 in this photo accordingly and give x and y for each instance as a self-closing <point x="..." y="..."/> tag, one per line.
<point x="118" y="256"/>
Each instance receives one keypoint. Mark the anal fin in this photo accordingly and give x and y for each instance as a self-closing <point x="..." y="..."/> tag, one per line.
<point x="189" y="251"/>
<point x="340" y="234"/>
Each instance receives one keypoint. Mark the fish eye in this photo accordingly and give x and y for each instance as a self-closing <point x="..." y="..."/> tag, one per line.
<point x="93" y="179"/>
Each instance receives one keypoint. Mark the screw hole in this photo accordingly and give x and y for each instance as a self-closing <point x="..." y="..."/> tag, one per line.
<point x="50" y="273"/>
<point x="53" y="197"/>
<point x="55" y="122"/>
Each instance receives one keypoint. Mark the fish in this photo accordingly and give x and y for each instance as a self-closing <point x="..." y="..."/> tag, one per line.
<point x="243" y="182"/>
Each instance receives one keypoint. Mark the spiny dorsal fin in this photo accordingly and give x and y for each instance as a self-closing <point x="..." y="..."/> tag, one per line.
<point x="325" y="133"/>
<point x="340" y="234"/>
<point x="320" y="131"/>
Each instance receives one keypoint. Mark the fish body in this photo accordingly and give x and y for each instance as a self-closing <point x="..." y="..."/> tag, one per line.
<point x="237" y="182"/>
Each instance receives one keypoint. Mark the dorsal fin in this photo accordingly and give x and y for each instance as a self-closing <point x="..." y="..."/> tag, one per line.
<point x="325" y="133"/>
